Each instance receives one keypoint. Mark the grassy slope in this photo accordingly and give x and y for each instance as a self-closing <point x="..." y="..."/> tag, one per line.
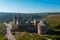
<point x="53" y="20"/>
<point x="28" y="36"/>
<point x="2" y="32"/>
<point x="3" y="38"/>
<point x="33" y="36"/>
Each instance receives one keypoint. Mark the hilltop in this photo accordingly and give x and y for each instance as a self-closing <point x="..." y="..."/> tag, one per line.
<point x="53" y="20"/>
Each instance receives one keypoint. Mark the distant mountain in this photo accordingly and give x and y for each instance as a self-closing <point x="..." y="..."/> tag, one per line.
<point x="24" y="14"/>
<point x="5" y="14"/>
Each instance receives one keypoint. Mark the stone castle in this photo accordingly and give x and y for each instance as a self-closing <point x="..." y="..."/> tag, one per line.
<point x="37" y="26"/>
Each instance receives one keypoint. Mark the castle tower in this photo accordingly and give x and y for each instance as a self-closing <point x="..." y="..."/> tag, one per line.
<point x="17" y="22"/>
<point x="42" y="28"/>
<point x="18" y="19"/>
<point x="35" y="25"/>
<point x="39" y="28"/>
<point x="14" y="18"/>
<point x="35" y="22"/>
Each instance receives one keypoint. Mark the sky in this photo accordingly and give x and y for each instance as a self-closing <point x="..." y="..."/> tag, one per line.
<point x="29" y="6"/>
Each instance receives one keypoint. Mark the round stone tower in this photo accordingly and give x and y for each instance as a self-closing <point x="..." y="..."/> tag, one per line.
<point x="42" y="28"/>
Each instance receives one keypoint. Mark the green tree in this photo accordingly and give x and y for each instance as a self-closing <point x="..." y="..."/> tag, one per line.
<point x="14" y="27"/>
<point x="2" y="32"/>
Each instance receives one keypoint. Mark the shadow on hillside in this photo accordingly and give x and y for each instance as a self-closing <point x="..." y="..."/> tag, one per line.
<point x="53" y="31"/>
<point x="25" y="28"/>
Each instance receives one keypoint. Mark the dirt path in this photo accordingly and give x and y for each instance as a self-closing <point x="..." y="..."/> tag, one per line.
<point x="9" y="35"/>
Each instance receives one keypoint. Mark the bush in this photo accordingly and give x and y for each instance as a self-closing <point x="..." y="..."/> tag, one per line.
<point x="14" y="27"/>
<point x="3" y="38"/>
<point x="2" y="29"/>
<point x="28" y="36"/>
<point x="24" y="36"/>
<point x="2" y="32"/>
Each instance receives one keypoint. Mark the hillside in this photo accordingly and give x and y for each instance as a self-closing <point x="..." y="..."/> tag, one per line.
<point x="29" y="36"/>
<point x="53" y="20"/>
